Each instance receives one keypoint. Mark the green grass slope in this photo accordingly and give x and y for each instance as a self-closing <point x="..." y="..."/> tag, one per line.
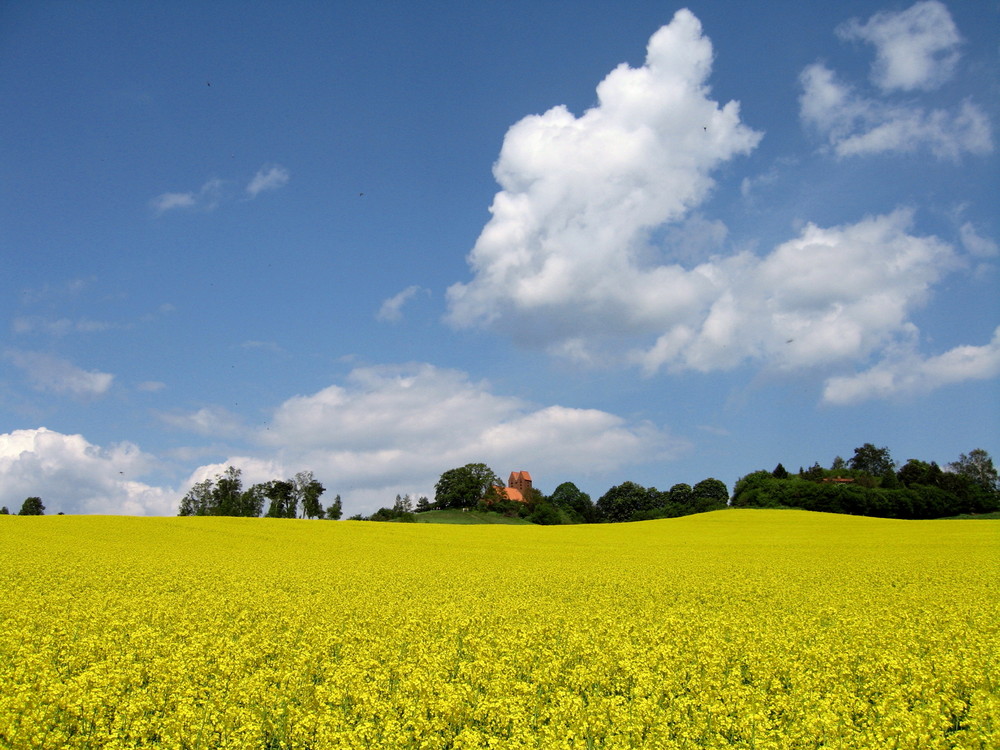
<point x="470" y="517"/>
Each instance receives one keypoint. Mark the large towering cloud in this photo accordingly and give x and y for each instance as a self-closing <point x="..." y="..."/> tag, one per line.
<point x="596" y="250"/>
<point x="567" y="248"/>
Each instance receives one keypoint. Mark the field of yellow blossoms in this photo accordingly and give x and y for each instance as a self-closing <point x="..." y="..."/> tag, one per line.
<point x="734" y="629"/>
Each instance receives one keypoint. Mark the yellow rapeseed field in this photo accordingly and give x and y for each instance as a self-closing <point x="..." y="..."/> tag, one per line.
<point x="734" y="629"/>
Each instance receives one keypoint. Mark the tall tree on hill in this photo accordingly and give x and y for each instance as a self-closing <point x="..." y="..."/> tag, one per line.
<point x="308" y="492"/>
<point x="228" y="493"/>
<point x="32" y="506"/>
<point x="335" y="509"/>
<point x="623" y="501"/>
<point x="198" y="500"/>
<point x="571" y="498"/>
<point x="710" y="494"/>
<point x="977" y="467"/>
<point x="682" y="496"/>
<point x="466" y="487"/>
<point x="283" y="503"/>
<point x="872" y="460"/>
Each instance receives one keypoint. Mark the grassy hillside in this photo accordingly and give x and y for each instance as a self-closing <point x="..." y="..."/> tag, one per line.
<point x="468" y="518"/>
<point x="734" y="629"/>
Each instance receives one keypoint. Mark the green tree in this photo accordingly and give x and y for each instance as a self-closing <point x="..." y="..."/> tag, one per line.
<point x="625" y="500"/>
<point x="335" y="509"/>
<point x="281" y="495"/>
<point x="4" y="511"/>
<point x="403" y="504"/>
<point x="423" y="505"/>
<point x="251" y="502"/>
<point x="545" y="514"/>
<point x="32" y="506"/>
<point x="198" y="499"/>
<point x="576" y="503"/>
<point x="814" y="473"/>
<point x="466" y="487"/>
<point x="913" y="472"/>
<point x="838" y="464"/>
<point x="228" y="492"/>
<point x="681" y="495"/>
<point x="871" y="460"/>
<point x="308" y="492"/>
<point x="710" y="494"/>
<point x="780" y="472"/>
<point x="222" y="496"/>
<point x="977" y="467"/>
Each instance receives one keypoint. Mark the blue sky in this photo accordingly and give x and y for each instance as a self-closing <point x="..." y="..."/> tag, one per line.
<point x="595" y="242"/>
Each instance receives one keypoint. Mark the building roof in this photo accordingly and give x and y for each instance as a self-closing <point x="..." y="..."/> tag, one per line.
<point x="509" y="493"/>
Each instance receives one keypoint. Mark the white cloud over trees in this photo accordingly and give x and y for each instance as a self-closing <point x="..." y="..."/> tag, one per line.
<point x="72" y="475"/>
<point x="395" y="428"/>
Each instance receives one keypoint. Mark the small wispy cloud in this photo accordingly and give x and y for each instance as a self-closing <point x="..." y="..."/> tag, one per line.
<point x="214" y="192"/>
<point x="268" y="177"/>
<point x="391" y="310"/>
<point x="977" y="245"/>
<point x="170" y="201"/>
<point x="52" y="374"/>
<point x="58" y="326"/>
<point x="48" y="292"/>
<point x="211" y="420"/>
<point x="267" y="346"/>
<point x="207" y="198"/>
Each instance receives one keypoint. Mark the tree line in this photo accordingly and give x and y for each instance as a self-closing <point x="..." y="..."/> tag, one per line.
<point x="476" y="486"/>
<point x="298" y="497"/>
<point x="32" y="506"/>
<point x="871" y="484"/>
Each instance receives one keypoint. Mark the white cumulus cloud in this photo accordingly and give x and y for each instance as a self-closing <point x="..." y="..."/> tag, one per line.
<point x="830" y="295"/>
<point x="597" y="250"/>
<point x="395" y="429"/>
<point x="566" y="248"/>
<point x="854" y="125"/>
<point x="907" y="373"/>
<point x="72" y="475"/>
<point x="914" y="49"/>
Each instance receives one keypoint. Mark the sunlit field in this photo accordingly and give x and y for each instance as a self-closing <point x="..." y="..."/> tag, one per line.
<point x="734" y="629"/>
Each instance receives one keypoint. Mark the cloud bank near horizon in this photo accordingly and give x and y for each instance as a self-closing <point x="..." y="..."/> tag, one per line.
<point x="386" y="430"/>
